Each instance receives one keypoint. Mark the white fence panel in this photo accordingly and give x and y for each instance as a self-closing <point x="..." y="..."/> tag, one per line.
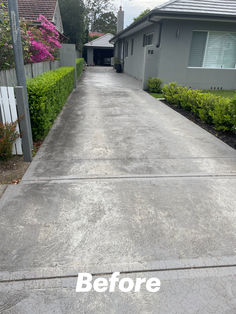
<point x="9" y="114"/>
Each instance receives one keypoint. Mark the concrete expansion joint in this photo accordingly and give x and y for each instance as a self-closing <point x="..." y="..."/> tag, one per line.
<point x="42" y="158"/>
<point x="98" y="274"/>
<point x="54" y="179"/>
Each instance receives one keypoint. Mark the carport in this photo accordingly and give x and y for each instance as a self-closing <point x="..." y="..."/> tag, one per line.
<point x="100" y="51"/>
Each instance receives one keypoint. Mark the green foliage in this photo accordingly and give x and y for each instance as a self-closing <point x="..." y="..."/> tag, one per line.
<point x="91" y="38"/>
<point x="142" y="15"/>
<point x="48" y="93"/>
<point x="79" y="67"/>
<point x="220" y="92"/>
<point x="117" y="61"/>
<point x="154" y="84"/>
<point x="224" y="116"/>
<point x="73" y="15"/>
<point x="106" y="23"/>
<point x="8" y="135"/>
<point x="99" y="16"/>
<point x="157" y="95"/>
<point x="6" y="48"/>
<point x="215" y="110"/>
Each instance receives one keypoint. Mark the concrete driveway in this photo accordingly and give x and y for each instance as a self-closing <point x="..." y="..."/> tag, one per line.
<point x="122" y="183"/>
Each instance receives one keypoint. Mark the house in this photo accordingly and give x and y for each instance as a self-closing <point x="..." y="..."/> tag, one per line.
<point x="191" y="42"/>
<point x="30" y="10"/>
<point x="95" y="34"/>
<point x="100" y="50"/>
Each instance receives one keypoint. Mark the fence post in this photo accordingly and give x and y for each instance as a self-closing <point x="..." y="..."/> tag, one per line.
<point x="17" y="47"/>
<point x="25" y="127"/>
<point x="68" y="58"/>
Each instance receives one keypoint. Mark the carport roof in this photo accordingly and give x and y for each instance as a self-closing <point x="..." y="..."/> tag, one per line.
<point x="101" y="42"/>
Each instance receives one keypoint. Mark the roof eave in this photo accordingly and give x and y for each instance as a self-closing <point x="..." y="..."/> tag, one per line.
<point x="178" y="15"/>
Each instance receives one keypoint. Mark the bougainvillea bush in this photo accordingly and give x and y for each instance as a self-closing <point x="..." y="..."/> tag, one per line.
<point x="39" y="43"/>
<point x="44" y="41"/>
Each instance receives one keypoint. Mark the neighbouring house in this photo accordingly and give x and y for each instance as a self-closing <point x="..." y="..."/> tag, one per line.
<point x="95" y="34"/>
<point x="30" y="10"/>
<point x="190" y="42"/>
<point x="100" y="50"/>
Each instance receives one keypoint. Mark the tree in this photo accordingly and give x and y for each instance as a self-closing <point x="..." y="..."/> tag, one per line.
<point x="74" y="21"/>
<point x="106" y="23"/>
<point x="95" y="10"/>
<point x="142" y="15"/>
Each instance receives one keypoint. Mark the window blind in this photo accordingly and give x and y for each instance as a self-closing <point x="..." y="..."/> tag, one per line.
<point x="213" y="50"/>
<point x="197" y="49"/>
<point x="220" y="50"/>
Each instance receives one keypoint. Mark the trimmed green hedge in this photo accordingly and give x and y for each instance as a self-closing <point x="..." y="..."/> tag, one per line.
<point x="47" y="94"/>
<point x="215" y="110"/>
<point x="79" y="66"/>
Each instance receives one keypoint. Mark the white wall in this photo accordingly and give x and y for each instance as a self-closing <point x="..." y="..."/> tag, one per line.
<point x="57" y="19"/>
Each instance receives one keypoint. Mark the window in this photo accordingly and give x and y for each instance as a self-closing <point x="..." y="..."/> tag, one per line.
<point x="126" y="49"/>
<point x="132" y="47"/>
<point x="147" y="39"/>
<point x="213" y="50"/>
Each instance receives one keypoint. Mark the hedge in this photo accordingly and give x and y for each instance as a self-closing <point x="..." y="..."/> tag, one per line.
<point x="79" y="66"/>
<point x="214" y="110"/>
<point x="47" y="94"/>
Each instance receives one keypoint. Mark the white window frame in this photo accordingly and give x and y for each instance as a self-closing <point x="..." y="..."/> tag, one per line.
<point x="148" y="34"/>
<point x="206" y="68"/>
<point x="126" y="47"/>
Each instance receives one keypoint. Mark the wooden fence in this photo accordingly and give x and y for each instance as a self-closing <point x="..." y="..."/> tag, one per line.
<point x="8" y="113"/>
<point x="8" y="77"/>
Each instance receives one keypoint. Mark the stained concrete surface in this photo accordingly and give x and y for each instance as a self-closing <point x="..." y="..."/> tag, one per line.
<point x="2" y="189"/>
<point x="121" y="183"/>
<point x="183" y="291"/>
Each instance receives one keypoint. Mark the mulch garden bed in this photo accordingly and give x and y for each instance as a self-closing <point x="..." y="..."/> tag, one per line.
<point x="12" y="171"/>
<point x="227" y="137"/>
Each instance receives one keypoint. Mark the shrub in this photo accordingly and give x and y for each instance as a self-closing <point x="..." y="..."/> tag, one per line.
<point x="48" y="93"/>
<point x="215" y="110"/>
<point x="44" y="41"/>
<point x="8" y="135"/>
<point x="154" y="84"/>
<point x="79" y="67"/>
<point x="224" y="115"/>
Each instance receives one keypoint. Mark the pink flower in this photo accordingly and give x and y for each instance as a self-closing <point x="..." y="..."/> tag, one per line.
<point x="43" y="47"/>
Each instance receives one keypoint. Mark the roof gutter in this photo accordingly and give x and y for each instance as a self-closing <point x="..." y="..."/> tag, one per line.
<point x="133" y="25"/>
<point x="175" y="15"/>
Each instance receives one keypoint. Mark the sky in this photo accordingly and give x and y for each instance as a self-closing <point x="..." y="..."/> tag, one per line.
<point x="133" y="8"/>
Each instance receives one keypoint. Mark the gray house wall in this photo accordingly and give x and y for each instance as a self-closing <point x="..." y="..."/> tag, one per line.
<point x="170" y="60"/>
<point x="174" y="56"/>
<point x="90" y="56"/>
<point x="57" y="20"/>
<point x="134" y="64"/>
